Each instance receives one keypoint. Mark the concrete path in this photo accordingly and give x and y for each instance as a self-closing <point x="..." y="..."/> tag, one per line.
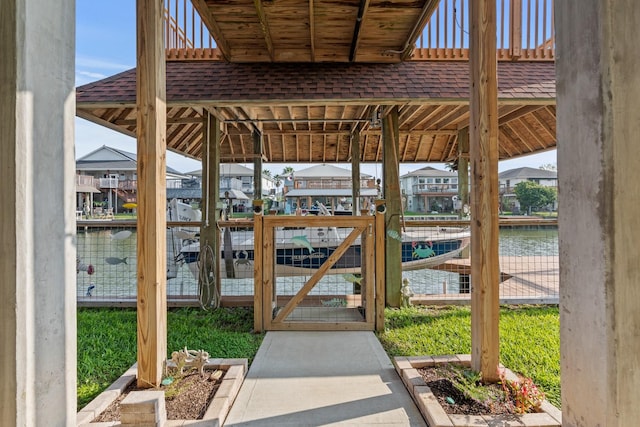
<point x="322" y="379"/>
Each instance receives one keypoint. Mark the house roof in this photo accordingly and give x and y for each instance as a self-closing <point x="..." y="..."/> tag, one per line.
<point x="326" y="171"/>
<point x="307" y="112"/>
<point x="112" y="159"/>
<point x="430" y="171"/>
<point x="528" y="173"/>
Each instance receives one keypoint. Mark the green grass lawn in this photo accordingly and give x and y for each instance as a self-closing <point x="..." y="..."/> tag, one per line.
<point x="529" y="339"/>
<point x="107" y="341"/>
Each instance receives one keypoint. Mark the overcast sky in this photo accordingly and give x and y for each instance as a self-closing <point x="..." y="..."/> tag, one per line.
<point x="106" y="45"/>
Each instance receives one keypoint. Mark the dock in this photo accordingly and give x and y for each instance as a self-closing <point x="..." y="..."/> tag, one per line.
<point x="524" y="280"/>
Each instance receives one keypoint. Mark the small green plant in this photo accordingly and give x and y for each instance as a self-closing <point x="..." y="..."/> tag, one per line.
<point x="526" y="395"/>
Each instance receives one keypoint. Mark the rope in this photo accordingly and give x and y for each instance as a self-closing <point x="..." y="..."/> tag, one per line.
<point x="208" y="292"/>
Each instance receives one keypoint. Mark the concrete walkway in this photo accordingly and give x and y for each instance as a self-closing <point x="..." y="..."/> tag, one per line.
<point x="321" y="379"/>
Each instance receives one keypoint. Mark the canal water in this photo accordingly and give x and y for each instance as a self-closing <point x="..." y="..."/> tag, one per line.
<point x="112" y="254"/>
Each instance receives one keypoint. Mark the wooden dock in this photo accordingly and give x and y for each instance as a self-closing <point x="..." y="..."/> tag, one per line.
<point x="524" y="280"/>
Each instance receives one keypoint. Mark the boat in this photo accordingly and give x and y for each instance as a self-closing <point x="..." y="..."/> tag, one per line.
<point x="299" y="251"/>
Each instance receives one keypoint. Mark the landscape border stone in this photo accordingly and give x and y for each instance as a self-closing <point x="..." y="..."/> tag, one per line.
<point x="435" y="415"/>
<point x="236" y="370"/>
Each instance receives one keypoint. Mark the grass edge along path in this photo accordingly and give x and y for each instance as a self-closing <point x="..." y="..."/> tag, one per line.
<point x="529" y="338"/>
<point x="106" y="341"/>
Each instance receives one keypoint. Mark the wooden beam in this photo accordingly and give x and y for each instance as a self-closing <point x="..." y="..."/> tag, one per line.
<point x="258" y="319"/>
<point x="428" y="9"/>
<point x="312" y="30"/>
<point x="463" y="169"/>
<point x="518" y="113"/>
<point x="265" y="28"/>
<point x="209" y="232"/>
<point x="213" y="27"/>
<point x="355" y="40"/>
<point x="355" y="173"/>
<point x="152" y="194"/>
<point x="257" y="166"/>
<point x="483" y="133"/>
<point x="391" y="178"/>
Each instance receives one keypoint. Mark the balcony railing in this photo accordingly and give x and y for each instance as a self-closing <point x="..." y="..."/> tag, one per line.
<point x="87" y="180"/>
<point x="525" y="31"/>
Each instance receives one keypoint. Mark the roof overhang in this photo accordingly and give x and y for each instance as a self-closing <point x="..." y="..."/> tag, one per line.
<point x="308" y="112"/>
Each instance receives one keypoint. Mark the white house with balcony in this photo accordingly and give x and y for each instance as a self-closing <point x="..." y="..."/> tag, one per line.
<point x="510" y="178"/>
<point x="429" y="190"/>
<point x="108" y="177"/>
<point x="326" y="184"/>
<point x="240" y="178"/>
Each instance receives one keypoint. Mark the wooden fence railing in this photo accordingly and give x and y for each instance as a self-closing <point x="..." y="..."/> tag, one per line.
<point x="525" y="32"/>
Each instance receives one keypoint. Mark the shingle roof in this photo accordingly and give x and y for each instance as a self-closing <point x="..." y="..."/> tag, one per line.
<point x="221" y="81"/>
<point x="528" y="173"/>
<point x="325" y="171"/>
<point x="430" y="171"/>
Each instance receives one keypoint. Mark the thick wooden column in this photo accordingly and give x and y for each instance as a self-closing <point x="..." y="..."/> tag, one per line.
<point x="355" y="173"/>
<point x="483" y="132"/>
<point x="463" y="168"/>
<point x="152" y="194"/>
<point x="257" y="165"/>
<point x="391" y="177"/>
<point x="209" y="233"/>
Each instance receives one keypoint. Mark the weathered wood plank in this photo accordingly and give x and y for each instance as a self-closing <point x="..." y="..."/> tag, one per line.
<point x="151" y="148"/>
<point x="391" y="179"/>
<point x="483" y="135"/>
<point x="258" y="319"/>
<point x="380" y="266"/>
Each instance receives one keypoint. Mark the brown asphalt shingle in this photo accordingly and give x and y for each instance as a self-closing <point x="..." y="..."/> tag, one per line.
<point x="222" y="81"/>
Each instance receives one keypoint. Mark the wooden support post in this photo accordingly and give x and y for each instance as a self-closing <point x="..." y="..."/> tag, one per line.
<point x="257" y="165"/>
<point x="463" y="169"/>
<point x="485" y="272"/>
<point x="380" y="264"/>
<point x="152" y="194"/>
<point x="355" y="173"/>
<point x="209" y="233"/>
<point x="391" y="177"/>
<point x="258" y="323"/>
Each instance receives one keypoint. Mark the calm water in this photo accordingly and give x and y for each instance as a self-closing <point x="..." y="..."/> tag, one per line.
<point x="114" y="262"/>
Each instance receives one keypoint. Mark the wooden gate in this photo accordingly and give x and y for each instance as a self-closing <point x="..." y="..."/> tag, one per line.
<point x="318" y="273"/>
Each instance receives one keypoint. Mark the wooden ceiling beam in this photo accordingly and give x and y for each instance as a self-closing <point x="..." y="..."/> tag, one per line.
<point x="312" y="31"/>
<point x="543" y="124"/>
<point x="427" y="10"/>
<point x="523" y="111"/>
<point x="530" y="129"/>
<point x="213" y="27"/>
<point x="362" y="11"/>
<point x="504" y="141"/>
<point x="265" y="28"/>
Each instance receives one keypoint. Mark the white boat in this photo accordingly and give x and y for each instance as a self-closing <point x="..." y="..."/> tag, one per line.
<point x="300" y="251"/>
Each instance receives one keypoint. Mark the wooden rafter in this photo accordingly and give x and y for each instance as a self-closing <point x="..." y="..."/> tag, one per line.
<point x="362" y="12"/>
<point x="427" y="10"/>
<point x="543" y="123"/>
<point x="265" y="28"/>
<point x="534" y="134"/>
<point x="527" y="109"/>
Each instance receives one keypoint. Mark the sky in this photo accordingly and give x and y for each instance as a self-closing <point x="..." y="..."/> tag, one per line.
<point x="106" y="45"/>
